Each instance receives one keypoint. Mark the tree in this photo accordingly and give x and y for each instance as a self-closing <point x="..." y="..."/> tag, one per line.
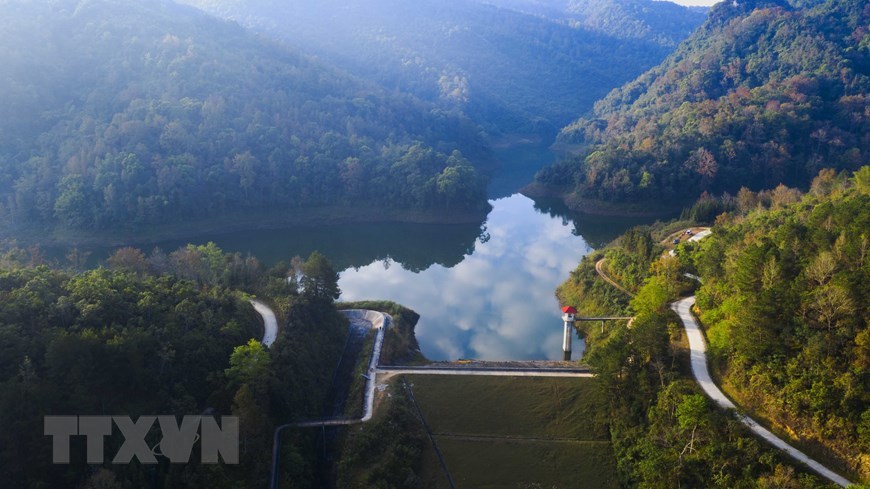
<point x="71" y="204"/>
<point x="319" y="280"/>
<point x="692" y="413"/>
<point x="245" y="166"/>
<point x="862" y="179"/>
<point x="249" y="363"/>
<point x="704" y="164"/>
<point x="747" y="201"/>
<point x="831" y="302"/>
<point x="458" y="184"/>
<point x="129" y="259"/>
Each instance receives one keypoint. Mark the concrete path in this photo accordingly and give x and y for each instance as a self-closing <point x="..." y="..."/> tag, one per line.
<point x="495" y="372"/>
<point x="269" y="321"/>
<point x="376" y="320"/>
<point x="379" y="322"/>
<point x="698" y="348"/>
<point x="703" y="234"/>
<point x="697" y="237"/>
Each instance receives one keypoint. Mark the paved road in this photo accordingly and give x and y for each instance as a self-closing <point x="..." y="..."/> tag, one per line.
<point x="376" y="320"/>
<point x="701" y="235"/>
<point x="269" y="321"/>
<point x="698" y="349"/>
<point x="380" y="322"/>
<point x="698" y="237"/>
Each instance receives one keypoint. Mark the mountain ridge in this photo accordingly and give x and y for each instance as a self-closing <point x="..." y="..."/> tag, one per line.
<point x="763" y="93"/>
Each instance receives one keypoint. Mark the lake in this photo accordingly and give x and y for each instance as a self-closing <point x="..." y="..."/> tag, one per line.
<point x="497" y="303"/>
<point x="484" y="291"/>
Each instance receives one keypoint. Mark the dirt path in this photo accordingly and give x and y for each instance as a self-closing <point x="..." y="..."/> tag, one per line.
<point x="598" y="269"/>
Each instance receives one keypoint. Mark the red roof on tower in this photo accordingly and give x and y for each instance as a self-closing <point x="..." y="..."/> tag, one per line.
<point x="569" y="310"/>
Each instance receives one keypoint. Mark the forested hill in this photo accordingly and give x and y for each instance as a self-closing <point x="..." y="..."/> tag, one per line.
<point x="133" y="112"/>
<point x="784" y="310"/>
<point x="785" y="305"/>
<point x="765" y="92"/>
<point x="664" y="23"/>
<point x="168" y="334"/>
<point x="512" y="71"/>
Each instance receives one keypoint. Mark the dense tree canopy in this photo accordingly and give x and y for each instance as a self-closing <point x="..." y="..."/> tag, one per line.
<point x="120" y="113"/>
<point x="662" y="23"/>
<point x="159" y="335"/>
<point x="510" y="69"/>
<point x="785" y="304"/>
<point x="763" y="93"/>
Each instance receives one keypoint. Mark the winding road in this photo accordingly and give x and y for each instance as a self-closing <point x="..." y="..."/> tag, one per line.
<point x="380" y="321"/>
<point x="701" y="372"/>
<point x="598" y="269"/>
<point x="698" y="348"/>
<point x="270" y="322"/>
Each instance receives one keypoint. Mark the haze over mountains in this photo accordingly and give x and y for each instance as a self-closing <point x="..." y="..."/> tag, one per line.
<point x="122" y="112"/>
<point x="125" y="113"/>
<point x="366" y="131"/>
<point x="661" y="22"/>
<point x="513" y="66"/>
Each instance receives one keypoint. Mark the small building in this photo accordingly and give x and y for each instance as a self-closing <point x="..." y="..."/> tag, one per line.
<point x="568" y="313"/>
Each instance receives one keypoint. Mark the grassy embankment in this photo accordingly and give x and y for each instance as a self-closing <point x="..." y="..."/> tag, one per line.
<point x="514" y="432"/>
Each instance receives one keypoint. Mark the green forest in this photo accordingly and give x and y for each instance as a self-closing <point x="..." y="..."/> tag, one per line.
<point x="316" y="124"/>
<point x="122" y="114"/>
<point x="163" y="334"/>
<point x="510" y="69"/>
<point x="783" y="303"/>
<point x="765" y="92"/>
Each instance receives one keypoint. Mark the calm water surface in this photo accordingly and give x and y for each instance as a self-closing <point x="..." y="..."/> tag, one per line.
<point x="483" y="290"/>
<point x="498" y="302"/>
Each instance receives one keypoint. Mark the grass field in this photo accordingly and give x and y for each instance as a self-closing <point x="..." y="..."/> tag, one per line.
<point x="502" y="432"/>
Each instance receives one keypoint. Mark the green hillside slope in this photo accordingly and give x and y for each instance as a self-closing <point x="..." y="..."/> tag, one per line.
<point x="763" y="93"/>
<point x="121" y="113"/>
<point x="785" y="304"/>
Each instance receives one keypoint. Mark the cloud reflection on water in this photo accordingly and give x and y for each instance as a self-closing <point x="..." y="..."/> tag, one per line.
<point x="498" y="303"/>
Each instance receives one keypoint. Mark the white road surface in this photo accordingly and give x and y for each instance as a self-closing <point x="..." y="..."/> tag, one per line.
<point x="701" y="235"/>
<point x="698" y="347"/>
<point x="269" y="321"/>
<point x="491" y="372"/>
<point x="379" y="322"/>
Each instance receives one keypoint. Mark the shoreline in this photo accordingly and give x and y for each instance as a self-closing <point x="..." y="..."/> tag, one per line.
<point x="600" y="208"/>
<point x="28" y="235"/>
